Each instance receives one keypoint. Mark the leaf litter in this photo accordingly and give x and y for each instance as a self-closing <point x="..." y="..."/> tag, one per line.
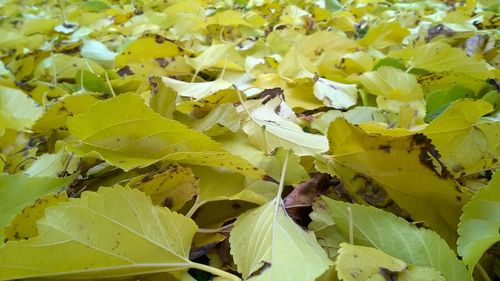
<point x="254" y="140"/>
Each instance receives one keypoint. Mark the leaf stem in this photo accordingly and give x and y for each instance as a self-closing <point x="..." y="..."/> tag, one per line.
<point x="195" y="207"/>
<point x="351" y="226"/>
<point x="225" y="228"/>
<point x="215" y="271"/>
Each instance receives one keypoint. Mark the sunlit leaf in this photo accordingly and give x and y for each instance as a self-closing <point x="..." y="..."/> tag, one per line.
<point x="147" y="47"/>
<point x="335" y="94"/>
<point x="269" y="131"/>
<point x="130" y="135"/>
<point x="266" y="243"/>
<point x="439" y="56"/>
<point x="196" y="90"/>
<point x="111" y="239"/>
<point x="17" y="110"/>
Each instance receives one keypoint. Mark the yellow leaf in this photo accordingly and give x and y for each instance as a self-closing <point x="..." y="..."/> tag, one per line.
<point x="147" y="47"/>
<point x="359" y="263"/>
<point x="130" y="135"/>
<point x="466" y="144"/>
<point x="408" y="167"/>
<point x="439" y="56"/>
<point x="170" y="188"/>
<point x="17" y="110"/>
<point x="384" y="35"/>
<point x="90" y="238"/>
<point x="23" y="226"/>
<point x="55" y="118"/>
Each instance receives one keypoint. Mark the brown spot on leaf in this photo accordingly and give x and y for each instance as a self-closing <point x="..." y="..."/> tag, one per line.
<point x="168" y="202"/>
<point x="125" y="71"/>
<point x="385" y="148"/>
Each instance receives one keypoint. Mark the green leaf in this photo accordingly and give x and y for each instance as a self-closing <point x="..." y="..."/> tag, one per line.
<point x="128" y="135"/>
<point x="392" y="235"/>
<point x="19" y="191"/>
<point x="17" y="110"/>
<point x="110" y="233"/>
<point x="266" y="244"/>
<point x="90" y="82"/>
<point x="438" y="101"/>
<point x="479" y="223"/>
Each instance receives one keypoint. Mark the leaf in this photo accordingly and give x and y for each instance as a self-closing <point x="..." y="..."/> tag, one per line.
<point x="466" y="144"/>
<point x="61" y="66"/>
<point x="407" y="167"/>
<point x="55" y="117"/>
<point x="217" y="184"/>
<point x="479" y="223"/>
<point x="23" y="226"/>
<point x="295" y="65"/>
<point x="162" y="99"/>
<point x="335" y="94"/>
<point x="19" y="191"/>
<point x="392" y="235"/>
<point x="266" y="243"/>
<point x="420" y="273"/>
<point x="239" y="144"/>
<point x="221" y="119"/>
<point x="51" y="165"/>
<point x="130" y="135"/>
<point x="394" y="87"/>
<point x="97" y="51"/>
<point x="439" y="56"/>
<point x="196" y="90"/>
<point x="359" y="263"/>
<point x="438" y="101"/>
<point x="384" y="35"/>
<point x="269" y="131"/>
<point x="170" y="188"/>
<point x="147" y="47"/>
<point x="17" y="110"/>
<point x="227" y="18"/>
<point x="139" y="238"/>
<point x="217" y="55"/>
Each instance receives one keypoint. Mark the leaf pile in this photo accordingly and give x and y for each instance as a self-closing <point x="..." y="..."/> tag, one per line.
<point x="249" y="139"/>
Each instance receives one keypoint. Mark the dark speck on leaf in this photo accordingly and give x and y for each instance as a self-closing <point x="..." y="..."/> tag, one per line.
<point x="125" y="71"/>
<point x="146" y="178"/>
<point x="168" y="202"/>
<point x="385" y="148"/>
